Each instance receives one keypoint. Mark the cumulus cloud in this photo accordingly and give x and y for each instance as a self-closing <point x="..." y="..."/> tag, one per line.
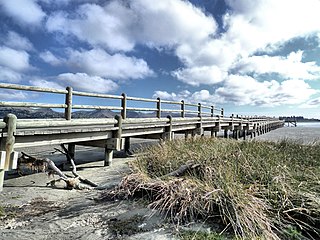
<point x="14" y="59"/>
<point x="45" y="84"/>
<point x="260" y="26"/>
<point x="25" y="12"/>
<point x="98" y="62"/>
<point x="84" y="82"/>
<point x="245" y="90"/>
<point x="120" y="26"/>
<point x="200" y="75"/>
<point x="288" y="67"/>
<point x="8" y="75"/>
<point x="50" y="58"/>
<point x="202" y="96"/>
<point x="14" y="95"/>
<point x="17" y="42"/>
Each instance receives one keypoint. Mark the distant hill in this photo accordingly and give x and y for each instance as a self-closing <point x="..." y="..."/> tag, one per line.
<point x="30" y="112"/>
<point x="49" y="113"/>
<point x="38" y="113"/>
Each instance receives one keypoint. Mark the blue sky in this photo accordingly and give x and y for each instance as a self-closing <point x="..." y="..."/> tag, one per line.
<point x="250" y="57"/>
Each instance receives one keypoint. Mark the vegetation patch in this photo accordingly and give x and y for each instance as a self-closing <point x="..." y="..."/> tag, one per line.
<point x="257" y="190"/>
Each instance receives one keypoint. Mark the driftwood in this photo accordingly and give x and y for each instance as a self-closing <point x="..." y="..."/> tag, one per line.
<point x="190" y="165"/>
<point x="76" y="182"/>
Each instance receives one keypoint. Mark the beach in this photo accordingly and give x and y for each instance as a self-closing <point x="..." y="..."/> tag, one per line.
<point x="41" y="212"/>
<point x="305" y="133"/>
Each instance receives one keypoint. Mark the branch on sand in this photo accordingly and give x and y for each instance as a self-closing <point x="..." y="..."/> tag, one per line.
<point x="76" y="182"/>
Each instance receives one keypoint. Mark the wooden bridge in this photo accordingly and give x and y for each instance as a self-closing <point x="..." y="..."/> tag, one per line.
<point x="115" y="133"/>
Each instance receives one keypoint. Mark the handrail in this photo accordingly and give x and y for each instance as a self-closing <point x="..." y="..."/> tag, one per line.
<point x="25" y="104"/>
<point x="64" y="123"/>
<point x="32" y="88"/>
<point x="86" y="94"/>
<point x="178" y="107"/>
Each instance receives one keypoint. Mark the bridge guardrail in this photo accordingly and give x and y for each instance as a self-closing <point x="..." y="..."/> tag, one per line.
<point x="162" y="106"/>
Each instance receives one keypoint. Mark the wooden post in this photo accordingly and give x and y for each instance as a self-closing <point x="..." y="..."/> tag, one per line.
<point x="71" y="153"/>
<point x="127" y="145"/>
<point x="158" y="108"/>
<point x="199" y="110"/>
<point x="7" y="144"/>
<point x="117" y="134"/>
<point x="212" y="111"/>
<point x="124" y="106"/>
<point x="168" y="135"/>
<point x="183" y="108"/>
<point x="68" y="110"/>
<point x="226" y="133"/>
<point x="212" y="132"/>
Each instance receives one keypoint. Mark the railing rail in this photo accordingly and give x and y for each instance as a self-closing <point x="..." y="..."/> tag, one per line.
<point x="68" y="105"/>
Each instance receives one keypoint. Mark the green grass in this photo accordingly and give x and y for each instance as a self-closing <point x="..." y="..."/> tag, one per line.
<point x="259" y="190"/>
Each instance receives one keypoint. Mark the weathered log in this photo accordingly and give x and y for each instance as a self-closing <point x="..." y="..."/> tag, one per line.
<point x="76" y="182"/>
<point x="190" y="165"/>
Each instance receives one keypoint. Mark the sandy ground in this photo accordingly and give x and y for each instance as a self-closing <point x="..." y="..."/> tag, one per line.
<point x="31" y="210"/>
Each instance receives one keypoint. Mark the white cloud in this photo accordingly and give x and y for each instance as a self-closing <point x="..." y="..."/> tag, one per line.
<point x="200" y="75"/>
<point x="255" y="25"/>
<point x="8" y="75"/>
<point x="202" y="96"/>
<point x="25" y="12"/>
<point x="99" y="63"/>
<point x="17" y="42"/>
<point x="245" y="90"/>
<point x="13" y="59"/>
<point x="84" y="82"/>
<point x="288" y="67"/>
<point x="120" y="26"/>
<point x="312" y="103"/>
<point x="45" y="84"/>
<point x="50" y="58"/>
<point x="14" y="95"/>
<point x="94" y="25"/>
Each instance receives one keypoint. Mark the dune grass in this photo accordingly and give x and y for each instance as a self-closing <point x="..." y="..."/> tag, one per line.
<point x="256" y="190"/>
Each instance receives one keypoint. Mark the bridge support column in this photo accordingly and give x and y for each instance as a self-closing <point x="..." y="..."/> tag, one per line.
<point x="213" y="133"/>
<point x="108" y="155"/>
<point x="244" y="134"/>
<point x="226" y="135"/>
<point x="8" y="158"/>
<point x="127" y="146"/>
<point x="69" y="156"/>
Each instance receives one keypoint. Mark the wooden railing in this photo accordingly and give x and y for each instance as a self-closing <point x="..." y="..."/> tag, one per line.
<point x="180" y="108"/>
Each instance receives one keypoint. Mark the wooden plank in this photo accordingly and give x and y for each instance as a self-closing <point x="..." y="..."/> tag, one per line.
<point x="141" y="109"/>
<point x="98" y="95"/>
<point x="27" y="104"/>
<point x="142" y="99"/>
<point x="31" y="88"/>
<point x="53" y="139"/>
<point x="96" y="107"/>
<point x="63" y="123"/>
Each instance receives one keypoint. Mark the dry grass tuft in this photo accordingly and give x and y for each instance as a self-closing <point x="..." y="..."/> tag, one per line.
<point x="261" y="190"/>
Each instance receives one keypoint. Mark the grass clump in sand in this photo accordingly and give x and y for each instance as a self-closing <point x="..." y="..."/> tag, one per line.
<point x="257" y="190"/>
